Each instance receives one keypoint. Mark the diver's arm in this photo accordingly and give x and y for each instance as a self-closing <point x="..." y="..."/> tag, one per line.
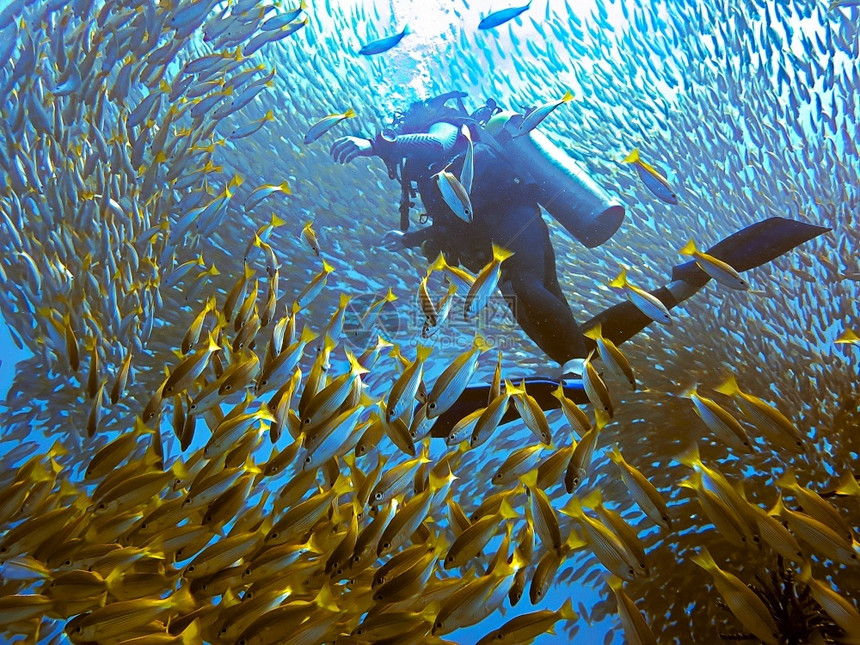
<point x="439" y="141"/>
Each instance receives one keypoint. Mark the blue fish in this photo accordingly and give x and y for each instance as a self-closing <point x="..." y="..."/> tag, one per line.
<point x="653" y="177"/>
<point x="501" y="17"/>
<point x="383" y="44"/>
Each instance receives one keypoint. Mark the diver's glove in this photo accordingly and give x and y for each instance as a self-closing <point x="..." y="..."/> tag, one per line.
<point x="346" y="149"/>
<point x="393" y="241"/>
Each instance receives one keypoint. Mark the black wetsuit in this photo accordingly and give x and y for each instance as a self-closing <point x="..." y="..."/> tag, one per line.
<point x="506" y="213"/>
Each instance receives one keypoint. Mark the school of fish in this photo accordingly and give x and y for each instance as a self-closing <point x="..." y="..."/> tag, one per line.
<point x="237" y="384"/>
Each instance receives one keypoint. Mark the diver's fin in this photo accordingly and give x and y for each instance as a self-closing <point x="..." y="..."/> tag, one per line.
<point x="753" y="246"/>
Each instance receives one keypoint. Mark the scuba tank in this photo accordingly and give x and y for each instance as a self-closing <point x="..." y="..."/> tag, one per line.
<point x="567" y="193"/>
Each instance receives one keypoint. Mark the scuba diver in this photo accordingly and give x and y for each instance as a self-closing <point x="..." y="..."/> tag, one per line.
<point x="505" y="202"/>
<point x="515" y="173"/>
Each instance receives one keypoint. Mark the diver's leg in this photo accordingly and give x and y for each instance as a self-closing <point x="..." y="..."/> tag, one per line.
<point x="623" y="321"/>
<point x="573" y="366"/>
<point x="538" y="303"/>
<point x="550" y="273"/>
<point x="750" y="247"/>
<point x="546" y="319"/>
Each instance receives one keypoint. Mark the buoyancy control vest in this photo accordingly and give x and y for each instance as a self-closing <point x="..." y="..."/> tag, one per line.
<point x="562" y="186"/>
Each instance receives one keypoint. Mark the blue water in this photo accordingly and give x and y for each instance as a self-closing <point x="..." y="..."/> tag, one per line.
<point x="748" y="110"/>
